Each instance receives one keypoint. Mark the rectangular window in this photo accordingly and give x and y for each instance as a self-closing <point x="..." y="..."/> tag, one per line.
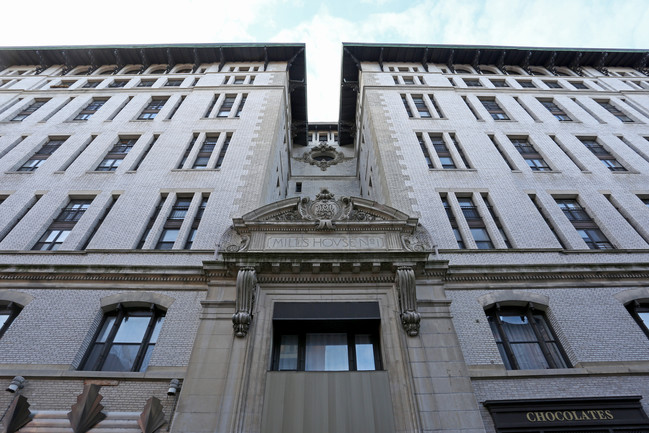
<point x="241" y="104"/>
<point x="420" y="105"/>
<point x="406" y="105"/>
<point x="460" y="151"/>
<point x="26" y="112"/>
<point x="61" y="227"/>
<point x="153" y="108"/>
<point x="436" y="107"/>
<point x="173" y="83"/>
<point x="335" y="336"/>
<point x="91" y="84"/>
<point x="171" y="228"/>
<point x="205" y="152"/>
<point x="602" y="154"/>
<point x="557" y="112"/>
<point x="453" y="221"/>
<point x="146" y="83"/>
<point x="196" y="222"/>
<point x="500" y="83"/>
<point x="442" y="151"/>
<point x="42" y="154"/>
<point x="226" y="106"/>
<point x="239" y="80"/>
<point x="91" y="109"/>
<point x="531" y="156"/>
<point x="527" y="84"/>
<point x="497" y="113"/>
<point x="615" y="111"/>
<point x="118" y="83"/>
<point x="424" y="149"/>
<point x="584" y="224"/>
<point x="408" y="80"/>
<point x="224" y="149"/>
<point x="475" y="222"/>
<point x="472" y="82"/>
<point x="116" y="154"/>
<point x="553" y="84"/>
<point x="578" y="85"/>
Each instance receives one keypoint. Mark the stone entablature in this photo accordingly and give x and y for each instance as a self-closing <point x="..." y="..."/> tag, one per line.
<point x="325" y="224"/>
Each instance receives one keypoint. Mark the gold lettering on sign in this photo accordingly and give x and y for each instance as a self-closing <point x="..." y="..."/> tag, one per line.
<point x="569" y="415"/>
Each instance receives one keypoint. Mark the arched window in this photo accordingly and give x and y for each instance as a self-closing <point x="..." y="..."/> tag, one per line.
<point x="8" y="312"/>
<point x="125" y="339"/>
<point x="640" y="312"/>
<point x="525" y="339"/>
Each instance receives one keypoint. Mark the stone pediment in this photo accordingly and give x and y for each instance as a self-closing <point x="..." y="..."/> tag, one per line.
<point x="325" y="224"/>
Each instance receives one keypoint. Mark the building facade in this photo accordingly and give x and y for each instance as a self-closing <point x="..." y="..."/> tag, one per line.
<point x="466" y="249"/>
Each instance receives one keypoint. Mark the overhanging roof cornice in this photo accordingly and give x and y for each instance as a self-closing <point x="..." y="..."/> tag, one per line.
<point x="355" y="53"/>
<point x="72" y="56"/>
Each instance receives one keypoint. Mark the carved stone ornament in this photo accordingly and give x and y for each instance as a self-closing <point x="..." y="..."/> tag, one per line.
<point x="405" y="282"/>
<point x="322" y="155"/>
<point x="246" y="288"/>
<point x="152" y="417"/>
<point x="232" y="242"/>
<point x="17" y="416"/>
<point x="87" y="412"/>
<point x="419" y="241"/>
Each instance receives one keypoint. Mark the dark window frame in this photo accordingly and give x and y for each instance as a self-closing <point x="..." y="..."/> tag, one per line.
<point x="64" y="223"/>
<point x="11" y="310"/>
<point x="634" y="308"/>
<point x="543" y="339"/>
<point x="350" y="327"/>
<point x="153" y="311"/>
<point x="153" y="108"/>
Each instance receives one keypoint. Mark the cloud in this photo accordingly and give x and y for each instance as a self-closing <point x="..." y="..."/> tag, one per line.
<point x="561" y="23"/>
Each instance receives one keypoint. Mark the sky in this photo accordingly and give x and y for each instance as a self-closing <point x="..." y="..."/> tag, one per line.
<point x="323" y="26"/>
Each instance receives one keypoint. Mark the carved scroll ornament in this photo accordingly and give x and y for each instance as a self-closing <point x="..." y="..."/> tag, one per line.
<point x="246" y="287"/>
<point x="405" y="282"/>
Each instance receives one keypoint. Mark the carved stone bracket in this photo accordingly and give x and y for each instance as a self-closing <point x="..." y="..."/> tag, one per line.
<point x="526" y="62"/>
<point x="17" y="416"/>
<point x="119" y="62"/>
<point x="641" y="64"/>
<point x="152" y="417"/>
<point x="501" y="62"/>
<point x="601" y="63"/>
<point x="246" y="288"/>
<point x="476" y="62"/>
<point x="550" y="65"/>
<point x="406" y="287"/>
<point x="93" y="62"/>
<point x="450" y="60"/>
<point x="87" y="412"/>
<point x="575" y="64"/>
